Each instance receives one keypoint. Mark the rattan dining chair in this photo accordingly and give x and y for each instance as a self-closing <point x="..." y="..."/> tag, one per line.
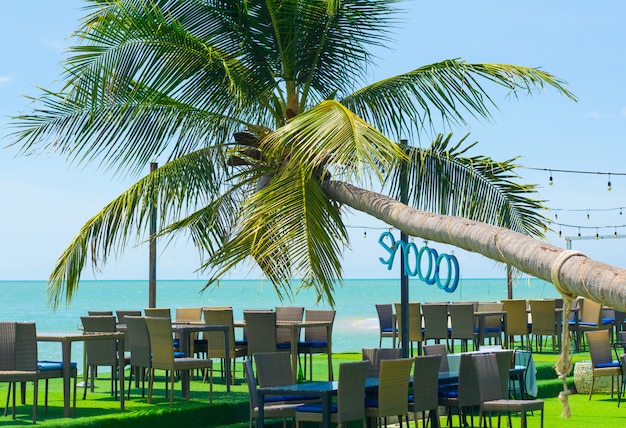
<point x="18" y="360"/>
<point x="160" y="332"/>
<point x="438" y="349"/>
<point x="414" y="323"/>
<point x="316" y="339"/>
<point x="101" y="352"/>
<point x="158" y="312"/>
<point x="138" y="341"/>
<point x="386" y="327"/>
<point x="462" y="325"/>
<point x="490" y="392"/>
<point x="215" y="339"/>
<point x="122" y="314"/>
<point x="492" y="323"/>
<point x="393" y="389"/>
<point x="274" y="369"/>
<point x="261" y="332"/>
<point x="273" y="410"/>
<point x="435" y="322"/>
<point x="375" y="355"/>
<point x="99" y="313"/>
<point x="601" y="357"/>
<point x="516" y="320"/>
<point x="464" y="395"/>
<point x="350" y="398"/>
<point x="543" y="317"/>
<point x="287" y="313"/>
<point x="424" y="398"/>
<point x="591" y="319"/>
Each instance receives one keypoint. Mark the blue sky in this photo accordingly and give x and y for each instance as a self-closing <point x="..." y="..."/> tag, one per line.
<point x="44" y="200"/>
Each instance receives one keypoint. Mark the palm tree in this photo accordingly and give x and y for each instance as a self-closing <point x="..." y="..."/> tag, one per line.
<point x="257" y="110"/>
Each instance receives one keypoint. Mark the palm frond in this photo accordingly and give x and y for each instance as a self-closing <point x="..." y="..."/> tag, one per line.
<point x="448" y="89"/>
<point x="441" y="180"/>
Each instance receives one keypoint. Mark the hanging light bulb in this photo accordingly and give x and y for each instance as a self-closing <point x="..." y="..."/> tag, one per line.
<point x="556" y="215"/>
<point x="579" y="232"/>
<point x="550" y="182"/>
<point x="609" y="184"/>
<point x="620" y="211"/>
<point x="588" y="216"/>
<point x="597" y="235"/>
<point x="364" y="234"/>
<point x="560" y="233"/>
<point x="615" y="234"/>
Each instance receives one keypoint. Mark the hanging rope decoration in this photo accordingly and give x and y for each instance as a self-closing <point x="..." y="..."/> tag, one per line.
<point x="564" y="363"/>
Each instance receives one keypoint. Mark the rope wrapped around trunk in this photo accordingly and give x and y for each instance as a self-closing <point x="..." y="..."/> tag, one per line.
<point x="564" y="363"/>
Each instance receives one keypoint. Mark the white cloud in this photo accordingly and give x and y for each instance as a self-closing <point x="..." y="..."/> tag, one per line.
<point x="5" y="79"/>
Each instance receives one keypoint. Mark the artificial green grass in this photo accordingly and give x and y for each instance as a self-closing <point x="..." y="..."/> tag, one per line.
<point x="231" y="409"/>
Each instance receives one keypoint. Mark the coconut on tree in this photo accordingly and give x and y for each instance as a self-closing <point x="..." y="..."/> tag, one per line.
<point x="269" y="128"/>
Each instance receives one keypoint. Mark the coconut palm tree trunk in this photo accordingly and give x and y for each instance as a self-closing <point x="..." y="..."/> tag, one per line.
<point x="573" y="273"/>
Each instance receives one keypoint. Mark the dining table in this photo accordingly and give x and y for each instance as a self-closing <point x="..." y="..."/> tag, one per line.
<point x="325" y="390"/>
<point x="480" y="316"/>
<point x="67" y="339"/>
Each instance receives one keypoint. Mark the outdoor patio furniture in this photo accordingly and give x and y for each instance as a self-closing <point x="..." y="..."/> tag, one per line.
<point x="350" y="396"/>
<point x="601" y="357"/>
<point x="215" y="339"/>
<point x="424" y="398"/>
<point x="544" y="322"/>
<point x="158" y="312"/>
<point x="18" y="360"/>
<point x="316" y="339"/>
<point x="287" y="313"/>
<point x="591" y="319"/>
<point x="492" y="325"/>
<point x="462" y="325"/>
<point x="160" y="332"/>
<point x="464" y="395"/>
<point x="121" y="314"/>
<point x="435" y="321"/>
<point x="438" y="349"/>
<point x="491" y="395"/>
<point x="393" y="388"/>
<point x="414" y="323"/>
<point x="138" y="342"/>
<point x="375" y="355"/>
<point x="99" y="313"/>
<point x="386" y="325"/>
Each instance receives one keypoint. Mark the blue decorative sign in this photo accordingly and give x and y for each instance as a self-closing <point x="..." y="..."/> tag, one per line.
<point x="389" y="243"/>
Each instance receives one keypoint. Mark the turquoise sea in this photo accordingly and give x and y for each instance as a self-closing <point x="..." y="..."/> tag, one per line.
<point x="356" y="323"/>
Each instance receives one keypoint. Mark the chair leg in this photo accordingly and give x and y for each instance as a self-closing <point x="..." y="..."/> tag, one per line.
<point x="150" y="383"/>
<point x="6" y="407"/>
<point x="593" y="379"/>
<point x="172" y="392"/>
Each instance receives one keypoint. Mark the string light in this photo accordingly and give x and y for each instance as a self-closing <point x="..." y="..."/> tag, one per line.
<point x="588" y="216"/>
<point x="550" y="182"/>
<point x="597" y="234"/>
<point x="609" y="185"/>
<point x="364" y="234"/>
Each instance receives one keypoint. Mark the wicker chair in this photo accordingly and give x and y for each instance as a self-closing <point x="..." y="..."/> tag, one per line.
<point x="465" y="394"/>
<point x="425" y="386"/>
<point x="435" y="321"/>
<point x="415" y="325"/>
<point x="350" y="398"/>
<point x="601" y="357"/>
<point x="261" y="332"/>
<point x="505" y="361"/>
<point x="591" y="319"/>
<point x="215" y="339"/>
<point x="275" y="410"/>
<point x="493" y="324"/>
<point x="18" y="359"/>
<point x="543" y="314"/>
<point x="385" y="323"/>
<point x="274" y="369"/>
<point x="516" y="320"/>
<point x="287" y="313"/>
<point x="101" y="352"/>
<point x="375" y="355"/>
<point x="100" y="313"/>
<point x="462" y="325"/>
<point x="122" y="314"/>
<point x="393" y="388"/>
<point x="160" y="332"/>
<point x="158" y="312"/>
<point x="438" y="349"/>
<point x="316" y="339"/>
<point x="491" y="399"/>
<point x="139" y="347"/>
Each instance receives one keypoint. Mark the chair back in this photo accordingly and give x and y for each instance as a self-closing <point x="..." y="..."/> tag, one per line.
<point x="438" y="349"/>
<point x="543" y="314"/>
<point x="393" y="387"/>
<point x="492" y="323"/>
<point x="599" y="346"/>
<point x="318" y="334"/>
<point x="504" y="360"/>
<point x="99" y="313"/>
<point x="385" y="317"/>
<point x="161" y="347"/>
<point x="435" y="320"/>
<point x="261" y="331"/>
<point x="375" y="355"/>
<point x="273" y="369"/>
<point x="122" y="314"/>
<point x="138" y="340"/>
<point x="25" y="346"/>
<point x="188" y="314"/>
<point x="215" y="339"/>
<point x="158" y="312"/>
<point x="426" y="382"/>
<point x="468" y="381"/>
<point x="100" y="352"/>
<point x="415" y="321"/>
<point x="461" y="320"/>
<point x="486" y="368"/>
<point x="351" y="391"/>
<point x="287" y="313"/>
<point x="516" y="317"/>
<point x="591" y="313"/>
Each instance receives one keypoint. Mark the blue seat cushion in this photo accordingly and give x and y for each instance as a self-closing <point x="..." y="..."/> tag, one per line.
<point x="388" y="329"/>
<point x="314" y="343"/>
<point x="608" y="321"/>
<point x="284" y="345"/>
<point x="277" y="398"/>
<point x="448" y="393"/>
<point x="588" y="324"/>
<point x="241" y="342"/>
<point x="52" y="365"/>
<point x="605" y="365"/>
<point x="176" y="343"/>
<point x="315" y="408"/>
<point x="179" y="354"/>
<point x="371" y="401"/>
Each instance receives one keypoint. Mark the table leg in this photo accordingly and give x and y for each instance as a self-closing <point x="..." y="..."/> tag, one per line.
<point x="261" y="412"/>
<point x="120" y="366"/>
<point x="66" y="350"/>
<point x="227" y="359"/>
<point x="329" y="332"/>
<point x="326" y="411"/>
<point x="481" y="331"/>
